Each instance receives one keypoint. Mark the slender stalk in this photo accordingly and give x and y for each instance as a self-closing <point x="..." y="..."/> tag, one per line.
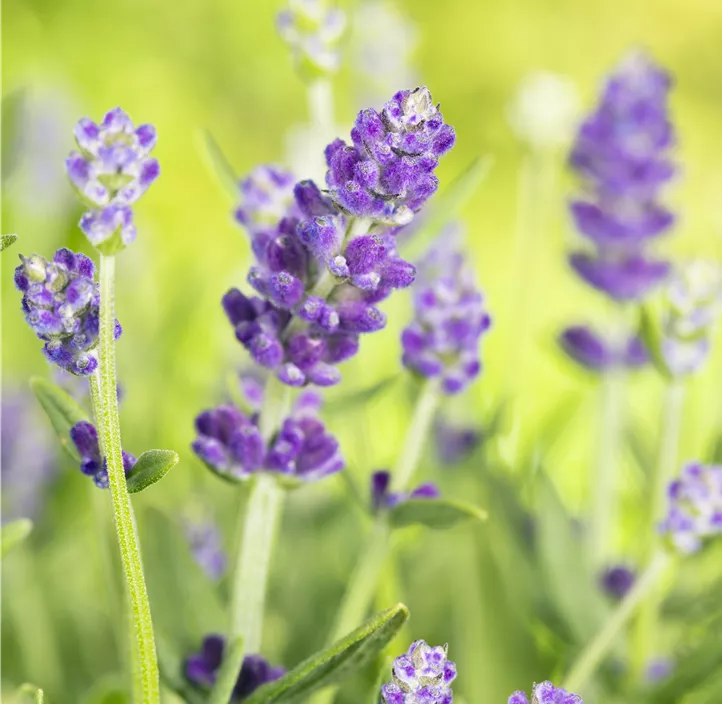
<point x="608" y="455"/>
<point x="416" y="436"/>
<point x="263" y="512"/>
<point x="671" y="422"/>
<point x="594" y="652"/>
<point x="145" y="675"/>
<point x="320" y="105"/>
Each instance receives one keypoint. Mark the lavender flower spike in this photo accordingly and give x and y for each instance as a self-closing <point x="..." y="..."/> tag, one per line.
<point x="202" y="668"/>
<point x="111" y="170"/>
<point x="695" y="507"/>
<point x="443" y="340"/>
<point x="61" y="302"/>
<point x="423" y="674"/>
<point x="546" y="693"/>
<point x="229" y="442"/>
<point x="591" y="350"/>
<point x="85" y="438"/>
<point x="387" y="174"/>
<point x="622" y="154"/>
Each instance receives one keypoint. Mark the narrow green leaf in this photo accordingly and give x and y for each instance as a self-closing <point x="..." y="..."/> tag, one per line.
<point x="151" y="467"/>
<point x="333" y="663"/>
<point x="217" y="163"/>
<point x="434" y="513"/>
<point x="62" y="409"/>
<point x="29" y="693"/>
<point x="228" y="674"/>
<point x="6" y="241"/>
<point x="445" y="206"/>
<point x="13" y="534"/>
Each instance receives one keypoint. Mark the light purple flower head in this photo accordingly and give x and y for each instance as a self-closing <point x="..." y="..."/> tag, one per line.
<point x="450" y="318"/>
<point x="61" y="302"/>
<point x="230" y="443"/>
<point x="111" y="170"/>
<point x="695" y="507"/>
<point x="422" y="676"/>
<point x="92" y="462"/>
<point x="546" y="693"/>
<point x="591" y="350"/>
<point x="387" y="173"/>
<point x="383" y="498"/>
<point x="622" y="155"/>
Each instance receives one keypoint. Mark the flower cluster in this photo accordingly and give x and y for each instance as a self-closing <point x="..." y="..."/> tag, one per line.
<point x="312" y="30"/>
<point x="202" y="668"/>
<point x="92" y="462"/>
<point x="423" y="674"/>
<point x="450" y="318"/>
<point x="61" y="302"/>
<point x="388" y="172"/>
<point x="593" y="352"/>
<point x="621" y="152"/>
<point x="110" y="172"/>
<point x="694" y="298"/>
<point x="230" y="443"/>
<point x="323" y="262"/>
<point x="546" y="693"/>
<point x="382" y="497"/>
<point x="695" y="507"/>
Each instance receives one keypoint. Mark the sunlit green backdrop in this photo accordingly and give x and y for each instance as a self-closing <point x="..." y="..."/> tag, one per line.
<point x="215" y="64"/>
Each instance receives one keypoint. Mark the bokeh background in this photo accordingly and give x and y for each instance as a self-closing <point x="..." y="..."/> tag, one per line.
<point x="218" y="65"/>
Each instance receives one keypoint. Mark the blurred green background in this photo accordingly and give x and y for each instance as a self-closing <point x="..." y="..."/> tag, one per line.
<point x="218" y="65"/>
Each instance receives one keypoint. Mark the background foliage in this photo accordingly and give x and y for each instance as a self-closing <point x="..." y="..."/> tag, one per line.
<point x="508" y="606"/>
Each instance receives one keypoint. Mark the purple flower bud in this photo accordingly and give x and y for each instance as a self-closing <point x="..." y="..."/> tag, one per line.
<point x="546" y="693"/>
<point x="92" y="463"/>
<point x="204" y="540"/>
<point x="423" y="674"/>
<point x="695" y="507"/>
<point x="201" y="668"/>
<point x="617" y="580"/>
<point x="359" y="317"/>
<point x="454" y="443"/>
<point x="266" y="195"/>
<point x="61" y="302"/>
<point x="113" y="221"/>
<point x="382" y="497"/>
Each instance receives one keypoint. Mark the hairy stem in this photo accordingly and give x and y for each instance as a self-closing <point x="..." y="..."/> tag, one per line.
<point x="594" y="652"/>
<point x="665" y="467"/>
<point x="145" y="675"/>
<point x="263" y="512"/>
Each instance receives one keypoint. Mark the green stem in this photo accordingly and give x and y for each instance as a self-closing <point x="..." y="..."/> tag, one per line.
<point x="263" y="512"/>
<point x="595" y="651"/>
<point x="665" y="467"/>
<point x="320" y="105"/>
<point x="416" y="436"/>
<point x="145" y="675"/>
<point x="604" y="509"/>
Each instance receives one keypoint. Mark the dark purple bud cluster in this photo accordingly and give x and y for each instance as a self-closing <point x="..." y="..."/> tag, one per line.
<point x="202" y="668"/>
<point x="622" y="153"/>
<point x="617" y="580"/>
<point x="387" y="174"/>
<point x="443" y="340"/>
<point x="422" y="675"/>
<point x="546" y="693"/>
<point x="230" y="443"/>
<point x="110" y="172"/>
<point x="322" y="266"/>
<point x="61" y="302"/>
<point x="383" y="498"/>
<point x="93" y="463"/>
<point x="587" y="347"/>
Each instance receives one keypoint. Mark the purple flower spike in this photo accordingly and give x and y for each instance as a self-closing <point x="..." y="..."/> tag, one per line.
<point x="92" y="463"/>
<point x="202" y="668"/>
<point x="695" y="507"/>
<point x="229" y="442"/>
<point x="616" y="581"/>
<point x="546" y="693"/>
<point x="422" y="675"/>
<point x="588" y="348"/>
<point x="443" y="340"/>
<point x="61" y="302"/>
<point x="388" y="172"/>
<point x="622" y="154"/>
